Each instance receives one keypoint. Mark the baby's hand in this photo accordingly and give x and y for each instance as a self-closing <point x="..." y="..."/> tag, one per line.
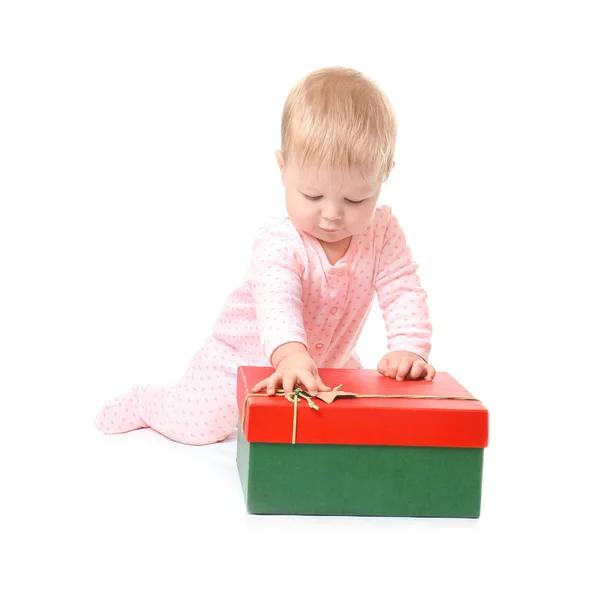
<point x="292" y="370"/>
<point x="405" y="365"/>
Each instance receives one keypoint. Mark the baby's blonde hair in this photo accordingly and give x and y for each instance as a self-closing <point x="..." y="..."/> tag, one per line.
<point x="340" y="118"/>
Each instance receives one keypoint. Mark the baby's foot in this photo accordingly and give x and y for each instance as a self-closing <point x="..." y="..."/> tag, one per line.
<point x="121" y="414"/>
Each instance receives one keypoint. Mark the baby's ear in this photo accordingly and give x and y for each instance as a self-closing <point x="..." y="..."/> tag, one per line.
<point x="279" y="156"/>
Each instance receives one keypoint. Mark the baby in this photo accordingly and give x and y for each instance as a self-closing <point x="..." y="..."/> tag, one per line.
<point x="312" y="276"/>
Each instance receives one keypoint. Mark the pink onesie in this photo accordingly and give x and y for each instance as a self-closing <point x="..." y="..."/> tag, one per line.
<point x="291" y="293"/>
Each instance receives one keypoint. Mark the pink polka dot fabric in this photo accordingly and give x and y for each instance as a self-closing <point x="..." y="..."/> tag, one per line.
<point x="291" y="292"/>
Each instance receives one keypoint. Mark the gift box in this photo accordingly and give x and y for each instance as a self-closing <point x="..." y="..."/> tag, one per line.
<point x="374" y="447"/>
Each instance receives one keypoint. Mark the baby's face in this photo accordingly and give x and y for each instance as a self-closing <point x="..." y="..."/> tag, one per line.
<point x="329" y="204"/>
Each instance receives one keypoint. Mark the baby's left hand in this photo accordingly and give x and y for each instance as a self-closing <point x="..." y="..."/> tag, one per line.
<point x="405" y="365"/>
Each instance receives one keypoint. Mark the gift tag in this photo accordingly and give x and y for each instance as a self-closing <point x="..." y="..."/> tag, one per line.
<point x="329" y="397"/>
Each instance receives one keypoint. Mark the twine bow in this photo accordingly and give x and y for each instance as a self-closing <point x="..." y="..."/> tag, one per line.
<point x="294" y="398"/>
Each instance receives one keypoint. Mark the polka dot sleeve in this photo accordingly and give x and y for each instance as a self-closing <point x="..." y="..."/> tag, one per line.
<point x="400" y="295"/>
<point x="276" y="284"/>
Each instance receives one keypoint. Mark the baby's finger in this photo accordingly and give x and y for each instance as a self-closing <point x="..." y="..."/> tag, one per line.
<point x="430" y="372"/>
<point x="403" y="368"/>
<point x="417" y="370"/>
<point x="322" y="387"/>
<point x="383" y="366"/>
<point x="392" y="369"/>
<point x="273" y="383"/>
<point x="309" y="381"/>
<point x="260" y="386"/>
<point x="290" y="379"/>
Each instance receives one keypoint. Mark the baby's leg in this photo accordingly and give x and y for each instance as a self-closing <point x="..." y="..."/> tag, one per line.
<point x="200" y="409"/>
<point x="122" y="414"/>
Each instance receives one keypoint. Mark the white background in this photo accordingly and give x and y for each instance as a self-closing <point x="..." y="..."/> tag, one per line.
<point x="136" y="162"/>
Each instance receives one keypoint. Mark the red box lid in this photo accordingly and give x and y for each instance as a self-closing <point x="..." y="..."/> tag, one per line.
<point x="366" y="421"/>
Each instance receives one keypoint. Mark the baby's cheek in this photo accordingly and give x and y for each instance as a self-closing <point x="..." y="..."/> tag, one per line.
<point x="358" y="222"/>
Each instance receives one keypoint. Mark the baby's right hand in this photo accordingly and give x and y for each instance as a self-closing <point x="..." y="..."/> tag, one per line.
<point x="298" y="368"/>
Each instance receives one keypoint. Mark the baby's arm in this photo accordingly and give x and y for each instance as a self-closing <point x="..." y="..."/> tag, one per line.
<point x="276" y="281"/>
<point x="405" y="311"/>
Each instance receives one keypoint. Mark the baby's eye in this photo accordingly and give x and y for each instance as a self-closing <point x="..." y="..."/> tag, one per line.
<point x="312" y="197"/>
<point x="354" y="201"/>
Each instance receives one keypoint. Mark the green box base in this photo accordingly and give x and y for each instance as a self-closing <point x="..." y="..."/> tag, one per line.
<point x="351" y="480"/>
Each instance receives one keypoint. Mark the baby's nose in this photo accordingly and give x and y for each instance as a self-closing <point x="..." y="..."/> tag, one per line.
<point x="331" y="213"/>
